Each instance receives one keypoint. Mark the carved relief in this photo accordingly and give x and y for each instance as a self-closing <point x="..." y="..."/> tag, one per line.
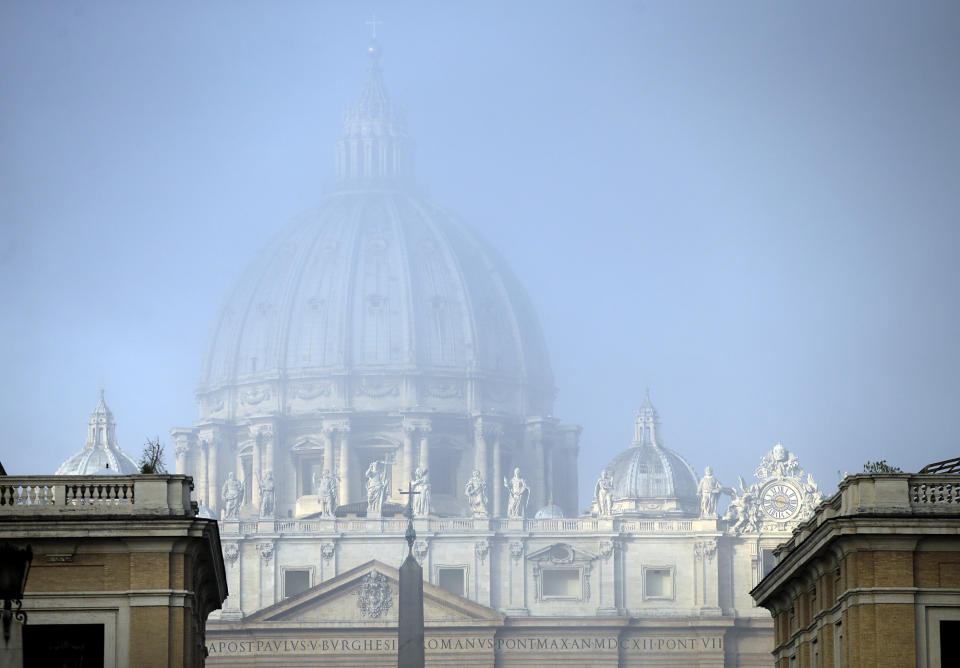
<point x="420" y="551"/>
<point x="327" y="551"/>
<point x="376" y="389"/>
<point x="266" y="551"/>
<point x="313" y="391"/>
<point x="231" y="551"/>
<point x="704" y="550"/>
<point x="214" y="403"/>
<point x="606" y="548"/>
<point x="516" y="550"/>
<point x="440" y="390"/>
<point x="374" y="597"/>
<point x="784" y="495"/>
<point x="482" y="547"/>
<point x="255" y="396"/>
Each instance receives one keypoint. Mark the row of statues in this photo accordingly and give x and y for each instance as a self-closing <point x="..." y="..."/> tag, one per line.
<point x="377" y="486"/>
<point x="233" y="491"/>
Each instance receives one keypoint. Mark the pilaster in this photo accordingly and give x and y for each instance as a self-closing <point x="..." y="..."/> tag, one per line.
<point x="518" y="581"/>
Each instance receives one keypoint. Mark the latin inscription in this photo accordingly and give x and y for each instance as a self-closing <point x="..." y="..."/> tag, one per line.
<point x="275" y="647"/>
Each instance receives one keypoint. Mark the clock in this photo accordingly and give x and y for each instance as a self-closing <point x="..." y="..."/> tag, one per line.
<point x="780" y="500"/>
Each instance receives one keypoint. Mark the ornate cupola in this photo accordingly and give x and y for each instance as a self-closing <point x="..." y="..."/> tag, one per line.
<point x="648" y="478"/>
<point x="101" y="450"/>
<point x="375" y="145"/>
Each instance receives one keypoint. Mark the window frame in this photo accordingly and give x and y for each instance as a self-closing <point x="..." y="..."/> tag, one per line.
<point x="452" y="567"/>
<point x="672" y="578"/>
<point x="552" y="597"/>
<point x="311" y="581"/>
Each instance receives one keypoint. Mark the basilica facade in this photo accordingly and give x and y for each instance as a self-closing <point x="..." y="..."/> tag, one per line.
<point x="378" y="345"/>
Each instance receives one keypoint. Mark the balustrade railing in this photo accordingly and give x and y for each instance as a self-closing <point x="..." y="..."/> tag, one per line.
<point x="934" y="490"/>
<point x="108" y="494"/>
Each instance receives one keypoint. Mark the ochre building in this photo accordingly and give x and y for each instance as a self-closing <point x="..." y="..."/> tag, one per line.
<point x="124" y="572"/>
<point x="873" y="578"/>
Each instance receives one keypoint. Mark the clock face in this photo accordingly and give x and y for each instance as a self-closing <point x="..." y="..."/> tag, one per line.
<point x="780" y="501"/>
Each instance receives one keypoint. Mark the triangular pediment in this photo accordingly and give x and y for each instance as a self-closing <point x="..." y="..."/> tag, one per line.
<point x="359" y="597"/>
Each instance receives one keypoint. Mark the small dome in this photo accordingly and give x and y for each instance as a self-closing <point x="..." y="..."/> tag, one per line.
<point x="651" y="479"/>
<point x="101" y="451"/>
<point x="549" y="512"/>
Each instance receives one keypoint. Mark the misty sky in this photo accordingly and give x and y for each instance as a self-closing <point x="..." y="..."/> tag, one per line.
<point x="751" y="208"/>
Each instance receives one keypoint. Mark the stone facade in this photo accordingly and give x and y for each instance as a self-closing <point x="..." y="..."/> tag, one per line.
<point x="654" y="589"/>
<point x="873" y="578"/>
<point x="127" y="554"/>
<point x="379" y="343"/>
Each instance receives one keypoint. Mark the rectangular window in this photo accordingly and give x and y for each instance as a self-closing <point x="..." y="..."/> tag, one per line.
<point x="561" y="582"/>
<point x="658" y="583"/>
<point x="452" y="580"/>
<point x="949" y="642"/>
<point x="295" y="581"/>
<point x="63" y="644"/>
<point x="768" y="562"/>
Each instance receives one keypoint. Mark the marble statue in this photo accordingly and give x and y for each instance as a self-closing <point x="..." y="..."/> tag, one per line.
<point x="603" y="494"/>
<point x="421" y="485"/>
<point x="779" y="463"/>
<point x="267" y="494"/>
<point x="232" y="495"/>
<point x="376" y="477"/>
<point x="476" y="491"/>
<point x="743" y="511"/>
<point x="709" y="492"/>
<point x="327" y="493"/>
<point x="519" y="494"/>
<point x="812" y="496"/>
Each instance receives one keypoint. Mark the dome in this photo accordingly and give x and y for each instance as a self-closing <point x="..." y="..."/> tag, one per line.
<point x="379" y="285"/>
<point x="549" y="512"/>
<point x="651" y="479"/>
<point x="101" y="450"/>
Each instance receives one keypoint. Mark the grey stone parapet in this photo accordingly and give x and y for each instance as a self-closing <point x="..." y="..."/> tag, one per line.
<point x="38" y="496"/>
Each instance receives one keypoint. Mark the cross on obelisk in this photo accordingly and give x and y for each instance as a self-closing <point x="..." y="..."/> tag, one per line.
<point x="410" y="652"/>
<point x="373" y="23"/>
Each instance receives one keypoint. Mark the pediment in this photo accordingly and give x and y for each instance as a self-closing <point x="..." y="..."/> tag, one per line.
<point x="561" y="553"/>
<point x="307" y="445"/>
<point x="369" y="595"/>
